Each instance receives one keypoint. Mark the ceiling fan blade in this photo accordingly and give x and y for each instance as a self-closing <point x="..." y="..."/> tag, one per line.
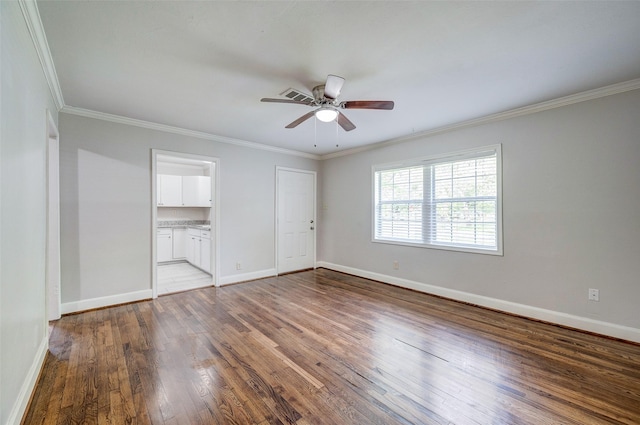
<point x="301" y="119"/>
<point x="368" y="104"/>
<point x="268" y="99"/>
<point x="333" y="86"/>
<point x="344" y="122"/>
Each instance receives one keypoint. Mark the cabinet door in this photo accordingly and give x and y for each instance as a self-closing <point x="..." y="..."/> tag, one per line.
<point x="196" y="191"/>
<point x="179" y="244"/>
<point x="191" y="252"/>
<point x="164" y="247"/>
<point x="205" y="254"/>
<point x="197" y="256"/>
<point x="170" y="190"/>
<point x="204" y="191"/>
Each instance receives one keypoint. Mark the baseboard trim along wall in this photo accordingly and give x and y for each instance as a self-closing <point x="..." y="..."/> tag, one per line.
<point x="237" y="278"/>
<point x="563" y="319"/>
<point x="93" y="303"/>
<point x="83" y="305"/>
<point x="29" y="384"/>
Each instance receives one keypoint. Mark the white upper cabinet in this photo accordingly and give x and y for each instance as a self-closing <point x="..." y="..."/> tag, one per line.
<point x="183" y="191"/>
<point x="169" y="191"/>
<point x="196" y="191"/>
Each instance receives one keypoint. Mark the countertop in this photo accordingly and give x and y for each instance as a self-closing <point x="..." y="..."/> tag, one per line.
<point x="183" y="224"/>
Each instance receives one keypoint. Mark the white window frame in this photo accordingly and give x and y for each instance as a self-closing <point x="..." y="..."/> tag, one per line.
<point x="431" y="160"/>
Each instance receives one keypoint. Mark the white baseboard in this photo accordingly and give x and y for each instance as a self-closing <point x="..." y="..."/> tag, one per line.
<point x="235" y="278"/>
<point x="82" y="305"/>
<point x="29" y="384"/>
<point x="564" y="319"/>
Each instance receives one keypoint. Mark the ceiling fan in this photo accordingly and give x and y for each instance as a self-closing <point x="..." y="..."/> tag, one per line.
<point x="325" y="99"/>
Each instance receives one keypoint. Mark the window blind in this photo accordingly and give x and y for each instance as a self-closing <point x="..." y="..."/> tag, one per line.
<point x="450" y="202"/>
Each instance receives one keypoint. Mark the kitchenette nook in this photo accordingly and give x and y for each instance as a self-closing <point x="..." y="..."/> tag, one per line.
<point x="184" y="235"/>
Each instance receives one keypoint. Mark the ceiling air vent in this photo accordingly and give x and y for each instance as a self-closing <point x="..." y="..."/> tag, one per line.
<point x="294" y="94"/>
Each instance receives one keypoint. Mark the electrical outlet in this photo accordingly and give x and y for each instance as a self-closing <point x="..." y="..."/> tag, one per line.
<point x="594" y="294"/>
<point x="396" y="265"/>
<point x="238" y="266"/>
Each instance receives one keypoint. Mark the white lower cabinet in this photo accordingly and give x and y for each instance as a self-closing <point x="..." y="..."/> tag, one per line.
<point x="179" y="244"/>
<point x="205" y="251"/>
<point x="191" y="244"/>
<point x="193" y="238"/>
<point x="199" y="248"/>
<point x="165" y="247"/>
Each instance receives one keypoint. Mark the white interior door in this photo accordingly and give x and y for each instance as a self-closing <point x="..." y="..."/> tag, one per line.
<point x="296" y="239"/>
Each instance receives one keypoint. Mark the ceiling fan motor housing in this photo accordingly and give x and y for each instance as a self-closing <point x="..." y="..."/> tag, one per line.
<point x="319" y="97"/>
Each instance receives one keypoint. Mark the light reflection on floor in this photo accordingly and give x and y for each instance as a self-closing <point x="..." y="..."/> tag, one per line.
<point x="442" y="382"/>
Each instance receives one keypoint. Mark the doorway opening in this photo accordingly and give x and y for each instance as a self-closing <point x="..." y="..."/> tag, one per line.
<point x="185" y="212"/>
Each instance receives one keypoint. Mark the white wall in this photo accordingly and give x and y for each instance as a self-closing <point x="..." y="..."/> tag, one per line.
<point x="105" y="197"/>
<point x="571" y="204"/>
<point x="25" y="99"/>
<point x="165" y="213"/>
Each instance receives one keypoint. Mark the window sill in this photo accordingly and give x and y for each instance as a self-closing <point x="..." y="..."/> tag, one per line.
<point x="471" y="250"/>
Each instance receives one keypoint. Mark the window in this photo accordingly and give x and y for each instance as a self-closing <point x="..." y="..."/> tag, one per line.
<point x="449" y="202"/>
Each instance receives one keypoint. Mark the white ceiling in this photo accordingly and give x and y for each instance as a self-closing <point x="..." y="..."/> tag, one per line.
<point x="205" y="65"/>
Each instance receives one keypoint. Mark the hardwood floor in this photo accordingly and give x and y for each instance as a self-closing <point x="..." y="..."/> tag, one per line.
<point x="320" y="347"/>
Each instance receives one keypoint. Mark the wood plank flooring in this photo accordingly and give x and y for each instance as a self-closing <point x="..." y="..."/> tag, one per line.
<point x="320" y="347"/>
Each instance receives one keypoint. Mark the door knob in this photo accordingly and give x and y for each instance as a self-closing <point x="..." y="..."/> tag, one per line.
<point x="311" y="222"/>
<point x="311" y="227"/>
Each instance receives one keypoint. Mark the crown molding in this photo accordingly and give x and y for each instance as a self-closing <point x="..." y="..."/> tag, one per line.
<point x="36" y="30"/>
<point x="31" y="15"/>
<point x="182" y="131"/>
<point x="525" y="110"/>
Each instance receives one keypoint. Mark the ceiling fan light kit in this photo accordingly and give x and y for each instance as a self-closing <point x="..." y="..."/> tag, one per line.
<point x="325" y="98"/>
<point x="326" y="114"/>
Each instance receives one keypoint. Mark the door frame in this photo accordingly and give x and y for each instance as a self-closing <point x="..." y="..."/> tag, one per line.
<point x="53" y="280"/>
<point x="277" y="204"/>
<point x="215" y="224"/>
